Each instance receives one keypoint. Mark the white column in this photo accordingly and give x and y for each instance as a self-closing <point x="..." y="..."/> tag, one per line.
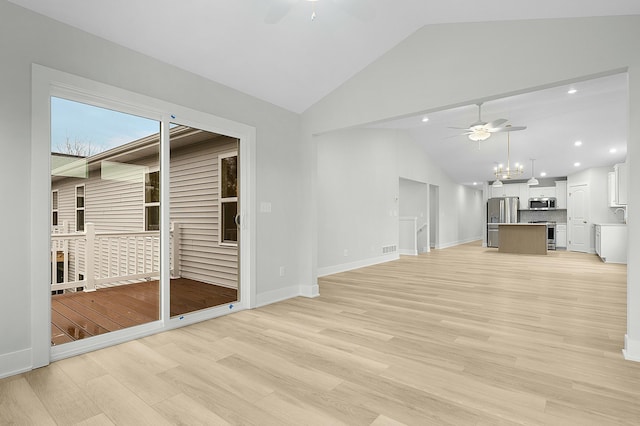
<point x="632" y="338"/>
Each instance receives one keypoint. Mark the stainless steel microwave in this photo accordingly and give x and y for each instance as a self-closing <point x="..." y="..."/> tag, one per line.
<point x="542" y="203"/>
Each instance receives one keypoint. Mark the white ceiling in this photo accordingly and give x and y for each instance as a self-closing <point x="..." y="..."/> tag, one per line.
<point x="296" y="62"/>
<point x="596" y="115"/>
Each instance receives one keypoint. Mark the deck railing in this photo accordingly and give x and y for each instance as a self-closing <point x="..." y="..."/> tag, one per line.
<point x="103" y="259"/>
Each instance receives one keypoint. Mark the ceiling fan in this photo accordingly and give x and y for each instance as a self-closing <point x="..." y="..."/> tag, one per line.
<point x="359" y="9"/>
<point x="482" y="130"/>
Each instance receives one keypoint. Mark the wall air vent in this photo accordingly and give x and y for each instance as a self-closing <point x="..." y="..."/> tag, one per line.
<point x="389" y="249"/>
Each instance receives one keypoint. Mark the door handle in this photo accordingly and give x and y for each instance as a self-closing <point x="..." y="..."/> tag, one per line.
<point x="236" y="219"/>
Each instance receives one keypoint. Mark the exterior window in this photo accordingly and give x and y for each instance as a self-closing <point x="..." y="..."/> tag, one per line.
<point x="54" y="208"/>
<point x="228" y="190"/>
<point x="80" y="208"/>
<point x="152" y="201"/>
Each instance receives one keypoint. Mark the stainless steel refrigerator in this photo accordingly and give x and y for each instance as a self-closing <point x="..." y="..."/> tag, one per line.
<point x="500" y="210"/>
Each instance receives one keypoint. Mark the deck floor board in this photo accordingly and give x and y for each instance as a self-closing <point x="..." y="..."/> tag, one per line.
<point x="79" y="315"/>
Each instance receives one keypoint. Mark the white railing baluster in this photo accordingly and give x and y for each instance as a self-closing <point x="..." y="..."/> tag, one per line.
<point x="89" y="258"/>
<point x="105" y="263"/>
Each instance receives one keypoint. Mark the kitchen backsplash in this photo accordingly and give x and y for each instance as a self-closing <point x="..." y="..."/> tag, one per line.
<point x="559" y="216"/>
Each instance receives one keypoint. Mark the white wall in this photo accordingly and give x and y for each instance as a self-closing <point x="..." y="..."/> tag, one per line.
<point x="414" y="202"/>
<point x="460" y="210"/>
<point x="358" y="197"/>
<point x="27" y="38"/>
<point x="432" y="70"/>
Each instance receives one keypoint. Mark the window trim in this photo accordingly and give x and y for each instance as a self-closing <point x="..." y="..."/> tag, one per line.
<point x="224" y="200"/>
<point x="55" y="207"/>
<point x="83" y="208"/>
<point x="145" y="204"/>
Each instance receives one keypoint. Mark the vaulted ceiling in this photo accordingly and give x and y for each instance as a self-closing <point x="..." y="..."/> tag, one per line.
<point x="273" y="50"/>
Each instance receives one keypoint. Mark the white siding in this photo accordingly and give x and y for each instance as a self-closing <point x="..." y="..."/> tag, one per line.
<point x="116" y="204"/>
<point x="194" y="204"/>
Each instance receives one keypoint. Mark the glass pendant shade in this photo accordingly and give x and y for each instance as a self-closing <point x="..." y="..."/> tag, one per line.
<point x="497" y="183"/>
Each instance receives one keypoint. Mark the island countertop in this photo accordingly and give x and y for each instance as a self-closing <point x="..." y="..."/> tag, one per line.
<point x="519" y="224"/>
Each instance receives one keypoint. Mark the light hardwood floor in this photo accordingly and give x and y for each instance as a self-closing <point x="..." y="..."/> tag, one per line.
<point x="461" y="336"/>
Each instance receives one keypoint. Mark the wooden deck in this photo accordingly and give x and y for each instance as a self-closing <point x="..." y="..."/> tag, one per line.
<point x="79" y="315"/>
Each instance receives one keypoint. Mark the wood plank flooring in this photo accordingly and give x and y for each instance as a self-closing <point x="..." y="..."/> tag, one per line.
<point x="79" y="315"/>
<point x="461" y="336"/>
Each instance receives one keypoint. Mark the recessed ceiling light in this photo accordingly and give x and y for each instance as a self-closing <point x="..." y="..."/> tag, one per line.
<point x="543" y="174"/>
<point x="578" y="143"/>
<point x="576" y="164"/>
<point x="572" y="91"/>
<point x="613" y="150"/>
<point x="475" y="183"/>
<point x="425" y="119"/>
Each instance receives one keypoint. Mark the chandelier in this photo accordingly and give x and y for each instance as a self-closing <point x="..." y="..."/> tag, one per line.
<point x="507" y="173"/>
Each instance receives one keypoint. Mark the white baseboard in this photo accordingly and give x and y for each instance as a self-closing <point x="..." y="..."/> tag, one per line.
<point x="409" y="252"/>
<point x="457" y="243"/>
<point x="15" y="363"/>
<point x="631" y="349"/>
<point x="310" y="291"/>
<point x="344" y="267"/>
<point x="281" y="294"/>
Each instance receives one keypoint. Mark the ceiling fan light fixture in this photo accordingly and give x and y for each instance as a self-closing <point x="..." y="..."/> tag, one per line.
<point x="479" y="134"/>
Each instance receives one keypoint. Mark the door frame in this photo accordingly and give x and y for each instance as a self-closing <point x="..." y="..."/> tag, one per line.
<point x="47" y="82"/>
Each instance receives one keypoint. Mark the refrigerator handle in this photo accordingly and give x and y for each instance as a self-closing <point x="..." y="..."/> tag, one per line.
<point x="501" y="211"/>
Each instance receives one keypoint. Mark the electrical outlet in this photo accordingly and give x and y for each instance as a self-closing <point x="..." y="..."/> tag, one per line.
<point x="346" y="252"/>
<point x="282" y="271"/>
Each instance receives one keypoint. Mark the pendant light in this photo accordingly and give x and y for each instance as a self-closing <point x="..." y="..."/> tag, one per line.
<point x="507" y="173"/>
<point x="533" y="181"/>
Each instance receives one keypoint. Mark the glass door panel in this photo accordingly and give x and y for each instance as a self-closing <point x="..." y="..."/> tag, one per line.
<point x="203" y="211"/>
<point x="105" y="234"/>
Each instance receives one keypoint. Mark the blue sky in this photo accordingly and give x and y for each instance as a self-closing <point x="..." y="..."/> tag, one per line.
<point x="103" y="129"/>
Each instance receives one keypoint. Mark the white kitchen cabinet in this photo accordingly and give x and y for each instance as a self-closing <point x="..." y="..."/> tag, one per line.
<point x="561" y="194"/>
<point x="542" y="192"/>
<point x="620" y="171"/>
<point x="611" y="190"/>
<point x="611" y="242"/>
<point x="507" y="190"/>
<point x="561" y="236"/>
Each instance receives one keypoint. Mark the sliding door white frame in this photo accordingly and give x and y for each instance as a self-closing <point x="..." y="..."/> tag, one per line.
<point x="48" y="82"/>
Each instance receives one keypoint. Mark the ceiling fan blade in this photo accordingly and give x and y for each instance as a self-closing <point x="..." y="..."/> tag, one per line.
<point x="459" y="128"/>
<point x="508" y="129"/>
<point x="496" y="123"/>
<point x="360" y="9"/>
<point x="278" y="10"/>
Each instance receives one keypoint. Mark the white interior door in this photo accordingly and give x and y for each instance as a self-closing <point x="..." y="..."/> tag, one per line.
<point x="578" y="217"/>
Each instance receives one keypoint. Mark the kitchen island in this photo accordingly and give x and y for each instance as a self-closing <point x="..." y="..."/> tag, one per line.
<point x="523" y="238"/>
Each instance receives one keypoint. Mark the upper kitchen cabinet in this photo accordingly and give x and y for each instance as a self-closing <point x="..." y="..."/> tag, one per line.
<point x="611" y="190"/>
<point x="618" y="186"/>
<point x="506" y="190"/>
<point x="543" y="192"/>
<point x="561" y="194"/>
